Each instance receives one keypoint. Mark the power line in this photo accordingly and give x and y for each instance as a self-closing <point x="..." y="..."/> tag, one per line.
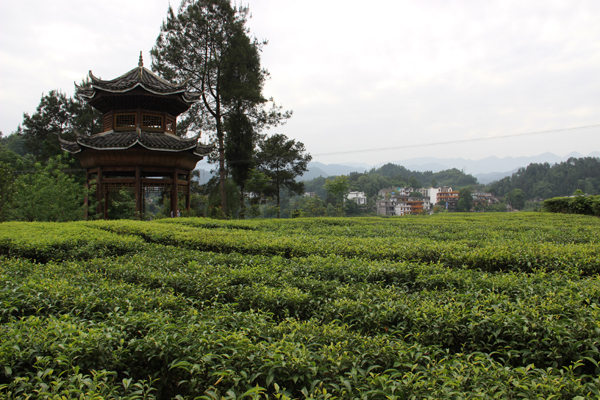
<point x="457" y="141"/>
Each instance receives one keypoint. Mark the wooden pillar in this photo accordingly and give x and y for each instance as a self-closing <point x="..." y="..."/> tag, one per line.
<point x="138" y="194"/>
<point x="105" y="204"/>
<point x="86" y="201"/>
<point x="188" y="192"/>
<point x="99" y="194"/>
<point x="143" y="200"/>
<point x="174" y="199"/>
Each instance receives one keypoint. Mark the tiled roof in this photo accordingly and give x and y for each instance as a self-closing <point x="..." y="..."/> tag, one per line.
<point x="137" y="77"/>
<point x="123" y="140"/>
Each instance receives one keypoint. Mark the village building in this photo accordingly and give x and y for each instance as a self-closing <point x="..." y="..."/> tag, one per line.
<point x="359" y="197"/>
<point x="449" y="197"/>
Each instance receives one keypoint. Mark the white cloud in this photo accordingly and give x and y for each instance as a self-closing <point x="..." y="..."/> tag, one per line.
<point x="391" y="73"/>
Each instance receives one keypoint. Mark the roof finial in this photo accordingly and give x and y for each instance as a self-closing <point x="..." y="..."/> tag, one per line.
<point x="141" y="63"/>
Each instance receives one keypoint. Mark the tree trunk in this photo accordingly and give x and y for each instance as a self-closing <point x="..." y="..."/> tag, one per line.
<point x="220" y="135"/>
<point x="277" y="186"/>
<point x="242" y="205"/>
<point x="278" y="210"/>
<point x="222" y="175"/>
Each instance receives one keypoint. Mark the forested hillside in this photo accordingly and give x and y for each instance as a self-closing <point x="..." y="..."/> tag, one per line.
<point x="395" y="175"/>
<point x="546" y="181"/>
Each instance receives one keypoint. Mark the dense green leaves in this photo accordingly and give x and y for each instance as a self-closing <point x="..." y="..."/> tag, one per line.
<point x="587" y="205"/>
<point x="546" y="181"/>
<point x="282" y="160"/>
<point x="304" y="308"/>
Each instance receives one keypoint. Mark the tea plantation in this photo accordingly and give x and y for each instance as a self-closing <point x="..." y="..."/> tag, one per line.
<point x="486" y="306"/>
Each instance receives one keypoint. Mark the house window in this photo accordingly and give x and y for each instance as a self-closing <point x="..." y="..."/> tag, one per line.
<point x="125" y="121"/>
<point x="152" y="121"/>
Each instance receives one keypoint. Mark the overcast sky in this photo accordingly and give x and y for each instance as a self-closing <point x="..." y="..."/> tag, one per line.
<point x="365" y="82"/>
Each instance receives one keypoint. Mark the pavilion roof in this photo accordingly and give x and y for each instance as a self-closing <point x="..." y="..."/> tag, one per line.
<point x="122" y="140"/>
<point x="137" y="77"/>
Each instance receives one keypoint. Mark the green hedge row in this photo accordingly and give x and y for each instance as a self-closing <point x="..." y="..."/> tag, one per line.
<point x="45" y="241"/>
<point x="463" y="311"/>
<point x="226" y="355"/>
<point x="437" y="307"/>
<point x="587" y="205"/>
<point x="497" y="255"/>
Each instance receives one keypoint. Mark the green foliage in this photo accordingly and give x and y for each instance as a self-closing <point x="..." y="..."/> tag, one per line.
<point x="546" y="181"/>
<point x="391" y="175"/>
<point x="239" y="151"/>
<point x="57" y="115"/>
<point x="516" y="199"/>
<point x="122" y="205"/>
<point x="282" y="160"/>
<point x="465" y="199"/>
<point x="7" y="190"/>
<point x="312" y="207"/>
<point x="7" y="155"/>
<point x="13" y="143"/>
<point x="206" y="41"/>
<point x="47" y="194"/>
<point x="338" y="188"/>
<point x="466" y="306"/>
<point x="587" y="205"/>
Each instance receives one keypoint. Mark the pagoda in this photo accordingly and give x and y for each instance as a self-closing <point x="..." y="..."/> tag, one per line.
<point x="138" y="149"/>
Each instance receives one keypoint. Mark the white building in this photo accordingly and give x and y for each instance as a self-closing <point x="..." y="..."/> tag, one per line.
<point x="432" y="193"/>
<point x="402" y="208"/>
<point x="360" y="197"/>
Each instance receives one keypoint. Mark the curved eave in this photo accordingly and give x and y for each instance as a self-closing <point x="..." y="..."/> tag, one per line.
<point x="145" y="140"/>
<point x="202" y="150"/>
<point x="88" y="146"/>
<point x="69" y="147"/>
<point x="186" y="97"/>
<point x="140" y="84"/>
<point x="136" y="77"/>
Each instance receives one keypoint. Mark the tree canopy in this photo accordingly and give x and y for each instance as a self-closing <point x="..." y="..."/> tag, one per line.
<point x="282" y="160"/>
<point x="206" y="43"/>
<point x="546" y="181"/>
<point x="57" y="115"/>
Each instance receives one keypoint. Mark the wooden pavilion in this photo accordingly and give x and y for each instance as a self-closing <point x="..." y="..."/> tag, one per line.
<point x="138" y="149"/>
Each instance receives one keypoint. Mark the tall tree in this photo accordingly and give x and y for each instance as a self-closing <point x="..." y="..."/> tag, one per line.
<point x="42" y="128"/>
<point x="7" y="181"/>
<point x="338" y="188"/>
<point x="57" y="115"/>
<point x="465" y="199"/>
<point x="239" y="152"/>
<point x="282" y="160"/>
<point x="198" y="43"/>
<point x="242" y="83"/>
<point x="516" y="198"/>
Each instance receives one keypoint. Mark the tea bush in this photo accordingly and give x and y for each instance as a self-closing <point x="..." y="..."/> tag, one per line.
<point x="471" y="306"/>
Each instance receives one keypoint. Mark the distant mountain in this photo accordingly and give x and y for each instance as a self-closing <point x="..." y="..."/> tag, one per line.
<point x="314" y="172"/>
<point x="493" y="176"/>
<point x="316" y="169"/>
<point x="486" y="170"/>
<point x="483" y="166"/>
<point x="204" y="176"/>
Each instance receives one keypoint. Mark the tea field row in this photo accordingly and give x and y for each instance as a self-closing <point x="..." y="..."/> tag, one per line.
<point x="125" y="309"/>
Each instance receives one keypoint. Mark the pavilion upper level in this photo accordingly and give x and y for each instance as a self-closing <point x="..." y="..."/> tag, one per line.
<point x="138" y="99"/>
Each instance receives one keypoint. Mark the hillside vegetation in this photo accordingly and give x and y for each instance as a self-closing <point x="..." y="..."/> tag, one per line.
<point x="388" y="175"/>
<point x="546" y="181"/>
<point x="443" y="306"/>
